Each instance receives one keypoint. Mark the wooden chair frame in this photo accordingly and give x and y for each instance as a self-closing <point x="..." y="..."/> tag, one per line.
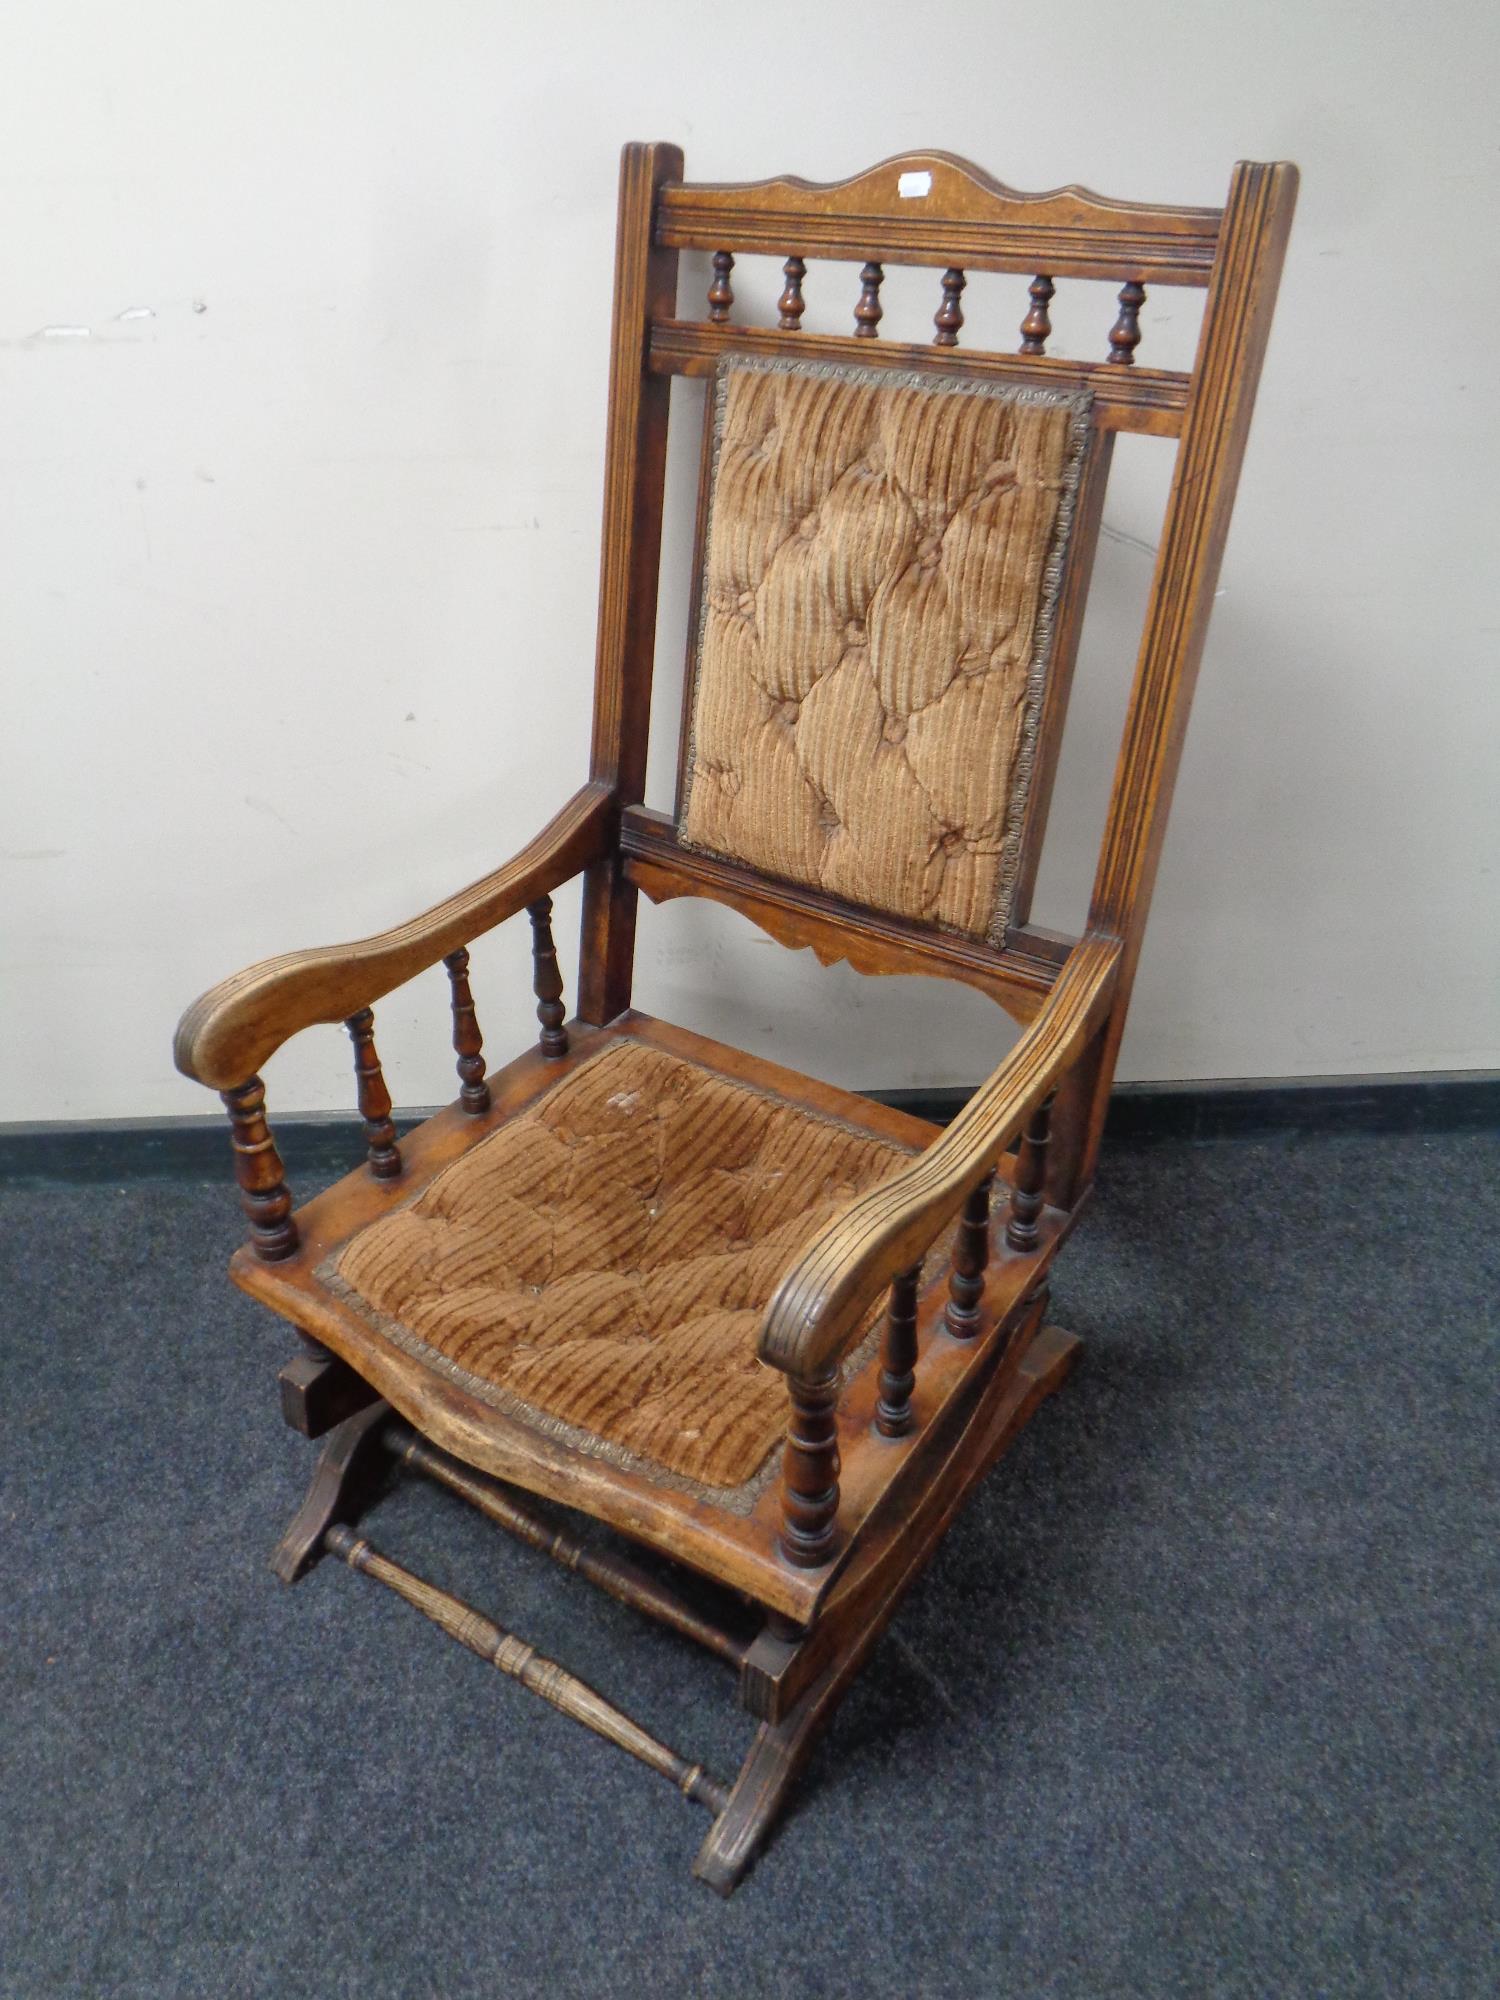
<point x="826" y="1558"/>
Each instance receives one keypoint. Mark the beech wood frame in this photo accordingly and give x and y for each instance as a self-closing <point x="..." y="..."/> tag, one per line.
<point x="825" y="1559"/>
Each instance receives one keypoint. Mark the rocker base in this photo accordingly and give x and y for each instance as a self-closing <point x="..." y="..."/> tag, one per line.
<point x="795" y="1681"/>
<point x="782" y="1746"/>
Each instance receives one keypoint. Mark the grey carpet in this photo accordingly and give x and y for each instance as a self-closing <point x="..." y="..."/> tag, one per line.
<point x="1197" y="1698"/>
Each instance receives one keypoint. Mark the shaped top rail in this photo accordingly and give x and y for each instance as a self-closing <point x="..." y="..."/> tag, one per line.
<point x="934" y="208"/>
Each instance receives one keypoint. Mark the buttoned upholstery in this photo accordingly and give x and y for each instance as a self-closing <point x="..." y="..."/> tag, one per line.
<point x="600" y="1263"/>
<point x="882" y="562"/>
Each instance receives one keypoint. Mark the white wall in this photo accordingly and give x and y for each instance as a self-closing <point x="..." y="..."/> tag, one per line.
<point x="300" y="526"/>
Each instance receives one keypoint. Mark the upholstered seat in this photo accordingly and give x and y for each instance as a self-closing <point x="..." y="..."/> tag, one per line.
<point x="597" y="1267"/>
<point x="569" y="1286"/>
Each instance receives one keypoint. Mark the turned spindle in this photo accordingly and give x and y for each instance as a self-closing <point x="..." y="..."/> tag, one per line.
<point x="1021" y="1231"/>
<point x="264" y="1194"/>
<point x="537" y="1674"/>
<point x="546" y="980"/>
<point x="898" y="1361"/>
<point x="720" y="292"/>
<point x="1125" y="334"/>
<point x="374" y="1098"/>
<point x="971" y="1256"/>
<point x="949" y="315"/>
<point x="1037" y="326"/>
<point x="869" y="312"/>
<point x="791" y="305"/>
<point x="810" y="1470"/>
<point x="615" y="1575"/>
<point x="474" y="1094"/>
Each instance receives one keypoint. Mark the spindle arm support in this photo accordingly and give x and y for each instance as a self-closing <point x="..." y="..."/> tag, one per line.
<point x="227" y="1034"/>
<point x="827" y="1293"/>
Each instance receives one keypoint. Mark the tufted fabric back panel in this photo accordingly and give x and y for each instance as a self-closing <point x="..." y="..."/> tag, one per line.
<point x="882" y="564"/>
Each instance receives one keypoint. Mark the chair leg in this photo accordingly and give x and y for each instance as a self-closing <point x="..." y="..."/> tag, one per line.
<point x="318" y="1391"/>
<point x="781" y="1747"/>
<point x="348" y="1471"/>
<point x="758" y="1796"/>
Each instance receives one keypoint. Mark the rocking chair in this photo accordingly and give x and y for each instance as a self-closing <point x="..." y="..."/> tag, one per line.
<point x="765" y="1328"/>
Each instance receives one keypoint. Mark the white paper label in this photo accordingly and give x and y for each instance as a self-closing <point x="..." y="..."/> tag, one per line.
<point x="910" y="185"/>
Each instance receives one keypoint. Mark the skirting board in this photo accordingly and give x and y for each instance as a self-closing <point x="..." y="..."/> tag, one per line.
<point x="326" y="1143"/>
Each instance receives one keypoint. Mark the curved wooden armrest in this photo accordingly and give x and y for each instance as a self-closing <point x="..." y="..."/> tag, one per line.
<point x="883" y="1232"/>
<point x="225" y="1036"/>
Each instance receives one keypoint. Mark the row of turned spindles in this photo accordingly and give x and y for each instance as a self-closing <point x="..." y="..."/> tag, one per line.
<point x="1036" y="328"/>
<point x="810" y="1488"/>
<point x="264" y="1194"/>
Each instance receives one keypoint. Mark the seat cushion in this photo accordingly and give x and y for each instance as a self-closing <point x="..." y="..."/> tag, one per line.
<point x="599" y="1264"/>
<point x="883" y="559"/>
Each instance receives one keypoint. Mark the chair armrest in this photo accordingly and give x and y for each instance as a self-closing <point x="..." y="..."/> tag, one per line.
<point x="225" y="1036"/>
<point x="827" y="1292"/>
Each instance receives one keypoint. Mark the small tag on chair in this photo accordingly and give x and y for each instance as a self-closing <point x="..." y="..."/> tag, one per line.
<point x="909" y="185"/>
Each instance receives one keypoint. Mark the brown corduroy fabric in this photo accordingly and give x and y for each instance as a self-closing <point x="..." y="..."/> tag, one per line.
<point x="881" y="565"/>
<point x="604" y="1258"/>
